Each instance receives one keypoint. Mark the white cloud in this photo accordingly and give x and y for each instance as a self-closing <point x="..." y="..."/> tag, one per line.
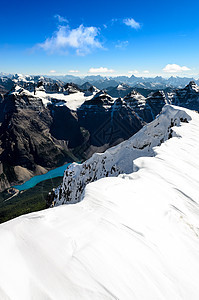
<point x="52" y="71"/>
<point x="173" y="68"/>
<point x="132" y="23"/>
<point x="61" y="19"/>
<point x="133" y="72"/>
<point x="146" y="72"/>
<point x="82" y="39"/>
<point x="73" y="71"/>
<point x="100" y="70"/>
<point x="122" y="44"/>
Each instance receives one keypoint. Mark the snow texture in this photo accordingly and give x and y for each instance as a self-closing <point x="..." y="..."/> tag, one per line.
<point x="72" y="101"/>
<point x="134" y="236"/>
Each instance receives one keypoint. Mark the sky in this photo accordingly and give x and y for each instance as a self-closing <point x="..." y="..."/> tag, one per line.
<point x="110" y="38"/>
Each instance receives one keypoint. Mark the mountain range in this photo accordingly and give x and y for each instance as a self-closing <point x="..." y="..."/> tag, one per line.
<point x="101" y="82"/>
<point x="45" y="124"/>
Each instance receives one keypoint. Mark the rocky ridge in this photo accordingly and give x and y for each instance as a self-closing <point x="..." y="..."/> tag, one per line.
<point x="119" y="159"/>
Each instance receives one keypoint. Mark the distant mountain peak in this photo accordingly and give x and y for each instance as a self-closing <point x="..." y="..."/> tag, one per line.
<point x="192" y="86"/>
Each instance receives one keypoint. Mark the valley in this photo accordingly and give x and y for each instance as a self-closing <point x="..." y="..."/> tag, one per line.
<point x="46" y="123"/>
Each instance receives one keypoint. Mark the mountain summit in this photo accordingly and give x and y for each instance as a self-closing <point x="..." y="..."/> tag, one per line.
<point x="131" y="236"/>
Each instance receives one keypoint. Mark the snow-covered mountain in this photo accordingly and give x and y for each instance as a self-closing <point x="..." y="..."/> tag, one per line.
<point x="120" y="90"/>
<point x="119" y="159"/>
<point x="133" y="236"/>
<point x="101" y="82"/>
<point x="154" y="83"/>
<point x="139" y="104"/>
<point x="187" y="97"/>
<point x="156" y="101"/>
<point x="108" y="120"/>
<point x="72" y="121"/>
<point x="41" y="129"/>
<point x="30" y="82"/>
<point x="6" y="84"/>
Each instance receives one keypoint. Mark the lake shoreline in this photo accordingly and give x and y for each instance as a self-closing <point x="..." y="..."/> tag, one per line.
<point x="33" y="181"/>
<point x="26" y="201"/>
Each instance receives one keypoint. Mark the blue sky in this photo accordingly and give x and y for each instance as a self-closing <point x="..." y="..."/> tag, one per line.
<point x="144" y="38"/>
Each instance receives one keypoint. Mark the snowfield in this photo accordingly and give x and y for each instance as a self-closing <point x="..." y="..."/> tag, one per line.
<point x="72" y="101"/>
<point x="134" y="236"/>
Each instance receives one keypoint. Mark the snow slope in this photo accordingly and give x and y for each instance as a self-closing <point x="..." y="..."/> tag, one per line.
<point x="72" y="101"/>
<point x="135" y="236"/>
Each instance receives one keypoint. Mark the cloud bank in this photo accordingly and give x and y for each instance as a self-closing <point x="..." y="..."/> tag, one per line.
<point x="100" y="70"/>
<point x="82" y="39"/>
<point x="73" y="71"/>
<point x="173" y="68"/>
<point x="133" y="72"/>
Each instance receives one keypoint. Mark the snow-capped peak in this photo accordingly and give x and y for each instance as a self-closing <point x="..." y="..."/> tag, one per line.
<point x="122" y="87"/>
<point x="193" y="86"/>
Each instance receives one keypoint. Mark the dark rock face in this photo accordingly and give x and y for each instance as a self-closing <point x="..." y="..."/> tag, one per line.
<point x="86" y="86"/>
<point x="34" y="136"/>
<point x="88" y="89"/>
<point x="6" y="84"/>
<point x="138" y="104"/>
<point x="108" y="121"/>
<point x="187" y="97"/>
<point x="71" y="88"/>
<point x="25" y="137"/>
<point x="99" y="100"/>
<point x="3" y="90"/>
<point x="65" y="126"/>
<point x="156" y="101"/>
<point x="119" y="91"/>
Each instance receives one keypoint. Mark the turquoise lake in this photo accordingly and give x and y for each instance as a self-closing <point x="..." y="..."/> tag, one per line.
<point x="36" y="179"/>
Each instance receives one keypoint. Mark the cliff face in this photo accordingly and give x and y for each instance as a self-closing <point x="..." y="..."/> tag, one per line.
<point x="156" y="101"/>
<point x="108" y="121"/>
<point x="36" y="136"/>
<point x="27" y="144"/>
<point x="187" y="97"/>
<point x="139" y="104"/>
